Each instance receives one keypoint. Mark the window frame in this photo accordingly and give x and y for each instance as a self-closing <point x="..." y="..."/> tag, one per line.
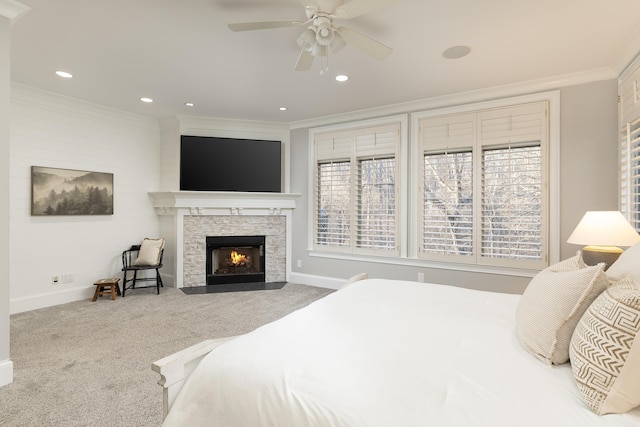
<point x="357" y="128"/>
<point x="465" y="132"/>
<point x="411" y="162"/>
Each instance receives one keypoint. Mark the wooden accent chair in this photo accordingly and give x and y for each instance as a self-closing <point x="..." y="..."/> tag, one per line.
<point x="147" y="256"/>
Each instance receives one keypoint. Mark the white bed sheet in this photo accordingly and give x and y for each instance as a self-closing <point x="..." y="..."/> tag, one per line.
<point x="386" y="353"/>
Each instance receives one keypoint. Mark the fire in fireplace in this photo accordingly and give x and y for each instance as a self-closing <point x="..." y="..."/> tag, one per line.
<point x="235" y="259"/>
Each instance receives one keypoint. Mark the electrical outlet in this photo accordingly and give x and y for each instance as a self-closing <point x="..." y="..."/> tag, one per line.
<point x="421" y="277"/>
<point x="67" y="277"/>
<point x="55" y="279"/>
<point x="299" y="263"/>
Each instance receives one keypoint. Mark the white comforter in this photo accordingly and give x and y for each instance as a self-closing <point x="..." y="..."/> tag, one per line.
<point x="383" y="353"/>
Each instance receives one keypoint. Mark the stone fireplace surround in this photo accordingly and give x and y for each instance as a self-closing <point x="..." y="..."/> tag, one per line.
<point x="198" y="227"/>
<point x="188" y="217"/>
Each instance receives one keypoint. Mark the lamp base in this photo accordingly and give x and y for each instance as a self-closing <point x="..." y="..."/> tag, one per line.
<point x="592" y="255"/>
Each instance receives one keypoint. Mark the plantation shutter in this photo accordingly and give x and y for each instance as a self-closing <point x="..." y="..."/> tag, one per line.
<point x="512" y="203"/>
<point x="513" y="207"/>
<point x="483" y="187"/>
<point x="629" y="98"/>
<point x="333" y="200"/>
<point x="446" y="186"/>
<point x="333" y="148"/>
<point x="381" y="141"/>
<point x="356" y="192"/>
<point x="375" y="209"/>
<point x="629" y="147"/>
<point x="629" y="172"/>
<point x="523" y="123"/>
<point x="447" y="227"/>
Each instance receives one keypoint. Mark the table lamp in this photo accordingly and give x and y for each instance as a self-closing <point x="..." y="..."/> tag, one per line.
<point x="603" y="232"/>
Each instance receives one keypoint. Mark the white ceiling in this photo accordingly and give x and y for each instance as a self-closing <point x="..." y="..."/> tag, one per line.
<point x="176" y="51"/>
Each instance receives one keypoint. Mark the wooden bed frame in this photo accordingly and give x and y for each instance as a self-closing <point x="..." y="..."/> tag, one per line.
<point x="176" y="368"/>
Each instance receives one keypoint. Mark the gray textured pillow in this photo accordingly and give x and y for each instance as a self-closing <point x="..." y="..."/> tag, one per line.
<point x="553" y="303"/>
<point x="605" y="354"/>
<point x="149" y="253"/>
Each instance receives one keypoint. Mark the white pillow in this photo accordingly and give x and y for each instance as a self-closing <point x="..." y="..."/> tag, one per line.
<point x="605" y="350"/>
<point x="628" y="264"/>
<point x="149" y="253"/>
<point x="553" y="303"/>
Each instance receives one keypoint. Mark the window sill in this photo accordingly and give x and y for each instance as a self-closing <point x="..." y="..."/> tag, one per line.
<point x="415" y="262"/>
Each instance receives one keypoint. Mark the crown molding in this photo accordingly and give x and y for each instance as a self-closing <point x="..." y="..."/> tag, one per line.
<point x="496" y="92"/>
<point x="12" y="10"/>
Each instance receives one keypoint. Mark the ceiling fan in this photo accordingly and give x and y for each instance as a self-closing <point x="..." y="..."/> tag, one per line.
<point x="321" y="36"/>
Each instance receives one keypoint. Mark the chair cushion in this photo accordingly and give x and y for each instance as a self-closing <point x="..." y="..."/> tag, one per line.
<point x="149" y="252"/>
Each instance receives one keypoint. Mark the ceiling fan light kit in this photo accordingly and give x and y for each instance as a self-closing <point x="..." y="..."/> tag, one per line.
<point x="321" y="35"/>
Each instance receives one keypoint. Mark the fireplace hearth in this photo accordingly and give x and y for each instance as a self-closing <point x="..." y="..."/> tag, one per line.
<point x="235" y="259"/>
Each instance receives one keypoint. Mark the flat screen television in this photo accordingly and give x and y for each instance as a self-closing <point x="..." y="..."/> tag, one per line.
<point x="229" y="164"/>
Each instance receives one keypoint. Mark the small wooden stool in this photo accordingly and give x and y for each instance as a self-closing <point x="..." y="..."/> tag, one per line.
<point x="103" y="284"/>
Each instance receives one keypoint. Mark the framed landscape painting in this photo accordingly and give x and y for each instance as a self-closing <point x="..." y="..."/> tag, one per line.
<point x="70" y="192"/>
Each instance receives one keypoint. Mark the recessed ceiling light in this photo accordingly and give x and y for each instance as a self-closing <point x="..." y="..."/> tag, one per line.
<point x="342" y="77"/>
<point x="283" y="108"/>
<point x="189" y="104"/>
<point x="147" y="100"/>
<point x="456" y="52"/>
<point x="64" y="74"/>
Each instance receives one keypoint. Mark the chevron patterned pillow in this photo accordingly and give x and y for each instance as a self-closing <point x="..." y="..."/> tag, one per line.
<point x="604" y="351"/>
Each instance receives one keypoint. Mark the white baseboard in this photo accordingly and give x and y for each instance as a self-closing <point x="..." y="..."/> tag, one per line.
<point x="34" y="302"/>
<point x="6" y="372"/>
<point x="319" y="281"/>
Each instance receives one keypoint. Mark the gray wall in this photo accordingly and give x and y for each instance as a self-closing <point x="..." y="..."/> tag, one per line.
<point x="588" y="181"/>
<point x="589" y="154"/>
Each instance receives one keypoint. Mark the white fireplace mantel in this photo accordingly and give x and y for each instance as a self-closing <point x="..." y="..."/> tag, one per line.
<point x="222" y="203"/>
<point x="174" y="206"/>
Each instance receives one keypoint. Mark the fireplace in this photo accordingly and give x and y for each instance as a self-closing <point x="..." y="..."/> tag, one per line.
<point x="235" y="259"/>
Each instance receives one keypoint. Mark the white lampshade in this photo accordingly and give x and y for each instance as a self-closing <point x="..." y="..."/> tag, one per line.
<point x="604" y="228"/>
<point x="324" y="35"/>
<point x="338" y="43"/>
<point x="307" y="39"/>
<point x="318" y="50"/>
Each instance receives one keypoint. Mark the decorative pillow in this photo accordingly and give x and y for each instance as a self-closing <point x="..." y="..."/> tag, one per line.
<point x="605" y="354"/>
<point x="149" y="253"/>
<point x="552" y="305"/>
<point x="626" y="265"/>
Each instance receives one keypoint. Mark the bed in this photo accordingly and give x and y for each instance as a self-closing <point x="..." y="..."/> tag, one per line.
<point x="379" y="353"/>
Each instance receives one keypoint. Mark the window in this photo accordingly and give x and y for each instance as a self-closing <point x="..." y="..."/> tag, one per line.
<point x="483" y="187"/>
<point x="512" y="203"/>
<point x="356" y="191"/>
<point x="334" y="201"/>
<point x="447" y="226"/>
<point x="629" y="172"/>
<point x="376" y="208"/>
<point x="478" y="192"/>
<point x="629" y="144"/>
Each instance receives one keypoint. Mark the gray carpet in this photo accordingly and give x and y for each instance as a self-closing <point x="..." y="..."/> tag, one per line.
<point x="89" y="363"/>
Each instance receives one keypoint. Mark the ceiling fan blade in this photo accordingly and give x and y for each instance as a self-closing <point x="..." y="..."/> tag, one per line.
<point x="365" y="43"/>
<point x="359" y="7"/>
<point x="304" y="61"/>
<point x="265" y="25"/>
